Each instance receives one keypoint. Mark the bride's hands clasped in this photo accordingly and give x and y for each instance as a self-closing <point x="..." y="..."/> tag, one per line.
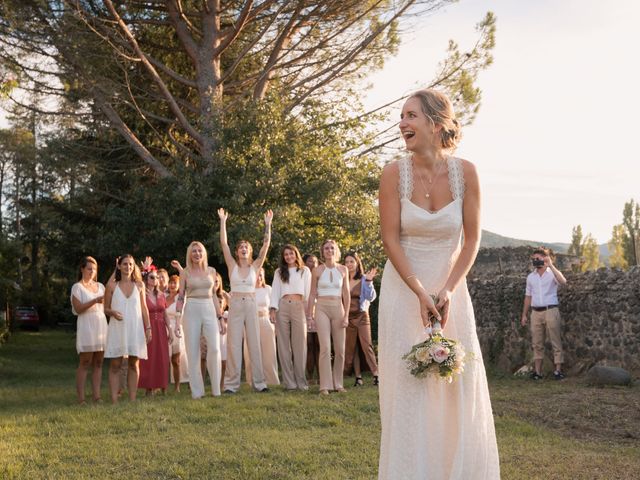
<point x="444" y="302"/>
<point x="427" y="309"/>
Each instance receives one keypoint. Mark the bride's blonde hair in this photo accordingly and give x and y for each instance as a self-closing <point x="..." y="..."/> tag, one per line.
<point x="439" y="110"/>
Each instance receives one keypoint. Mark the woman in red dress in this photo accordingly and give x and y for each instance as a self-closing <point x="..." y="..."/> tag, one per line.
<point x="154" y="371"/>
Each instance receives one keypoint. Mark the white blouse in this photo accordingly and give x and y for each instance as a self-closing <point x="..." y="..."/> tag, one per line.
<point x="263" y="298"/>
<point x="299" y="284"/>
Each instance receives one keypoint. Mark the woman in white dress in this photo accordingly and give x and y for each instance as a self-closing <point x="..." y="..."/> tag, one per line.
<point x="129" y="328"/>
<point x="430" y="225"/>
<point x="91" y="335"/>
<point x="177" y="349"/>
<point x="267" y="336"/>
<point x="223" y="298"/>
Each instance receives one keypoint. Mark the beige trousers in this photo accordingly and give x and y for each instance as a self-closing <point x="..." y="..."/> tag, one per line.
<point x="359" y="329"/>
<point x="200" y="320"/>
<point x="243" y="320"/>
<point x="291" y="331"/>
<point x="268" y="349"/>
<point x="329" y="317"/>
<point x="547" y="321"/>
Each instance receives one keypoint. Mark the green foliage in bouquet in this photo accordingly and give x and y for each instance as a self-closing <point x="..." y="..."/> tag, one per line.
<point x="437" y="355"/>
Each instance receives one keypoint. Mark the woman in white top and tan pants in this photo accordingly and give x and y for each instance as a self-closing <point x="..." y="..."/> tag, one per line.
<point x="330" y="286"/>
<point x="243" y="311"/>
<point x="289" y="292"/>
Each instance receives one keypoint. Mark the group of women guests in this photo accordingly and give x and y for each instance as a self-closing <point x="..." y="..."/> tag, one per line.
<point x="180" y="327"/>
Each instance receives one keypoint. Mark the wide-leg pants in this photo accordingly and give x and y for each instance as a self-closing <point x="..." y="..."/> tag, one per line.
<point x="359" y="329"/>
<point x="268" y="350"/>
<point x="329" y="317"/>
<point x="243" y="319"/>
<point x="200" y="319"/>
<point x="291" y="332"/>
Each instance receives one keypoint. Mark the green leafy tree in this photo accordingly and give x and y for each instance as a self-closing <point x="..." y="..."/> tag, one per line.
<point x="590" y="254"/>
<point x="575" y="248"/>
<point x="168" y="110"/>
<point x="168" y="76"/>
<point x="631" y="235"/>
<point x="616" y="248"/>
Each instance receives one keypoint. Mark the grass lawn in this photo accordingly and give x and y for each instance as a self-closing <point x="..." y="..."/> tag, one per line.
<point x="547" y="430"/>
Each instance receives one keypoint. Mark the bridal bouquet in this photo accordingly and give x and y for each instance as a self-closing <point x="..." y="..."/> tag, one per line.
<point x="437" y="355"/>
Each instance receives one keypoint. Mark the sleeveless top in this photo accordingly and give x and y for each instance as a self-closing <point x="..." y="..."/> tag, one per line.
<point x="330" y="283"/>
<point x="200" y="287"/>
<point x="356" y="289"/>
<point x="243" y="285"/>
<point x="444" y="231"/>
<point x="263" y="299"/>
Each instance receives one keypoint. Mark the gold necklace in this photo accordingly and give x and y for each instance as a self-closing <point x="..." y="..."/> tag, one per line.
<point x="428" y="190"/>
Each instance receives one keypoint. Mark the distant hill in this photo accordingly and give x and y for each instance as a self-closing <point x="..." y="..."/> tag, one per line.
<point x="493" y="240"/>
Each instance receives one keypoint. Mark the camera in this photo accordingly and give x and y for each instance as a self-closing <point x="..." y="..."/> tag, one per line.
<point x="537" y="262"/>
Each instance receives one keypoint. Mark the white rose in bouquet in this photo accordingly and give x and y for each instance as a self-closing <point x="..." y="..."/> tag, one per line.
<point x="422" y="355"/>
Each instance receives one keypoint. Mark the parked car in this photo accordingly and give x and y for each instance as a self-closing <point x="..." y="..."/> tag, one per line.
<point x="26" y="317"/>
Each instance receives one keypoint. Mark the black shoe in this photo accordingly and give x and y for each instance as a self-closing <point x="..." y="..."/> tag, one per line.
<point x="264" y="390"/>
<point x="376" y="382"/>
<point x="558" y="375"/>
<point x="228" y="391"/>
<point x="536" y="376"/>
<point x="359" y="382"/>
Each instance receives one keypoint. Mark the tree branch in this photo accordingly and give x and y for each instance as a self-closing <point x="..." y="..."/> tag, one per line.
<point x="230" y="35"/>
<point x="154" y="75"/>
<point x="128" y="135"/>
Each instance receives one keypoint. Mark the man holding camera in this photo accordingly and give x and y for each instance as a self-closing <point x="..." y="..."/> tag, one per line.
<point x="541" y="296"/>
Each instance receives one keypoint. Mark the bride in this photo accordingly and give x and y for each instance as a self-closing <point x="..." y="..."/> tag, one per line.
<point x="430" y="225"/>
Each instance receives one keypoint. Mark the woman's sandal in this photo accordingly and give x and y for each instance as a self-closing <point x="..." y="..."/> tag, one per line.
<point x="375" y="380"/>
<point x="359" y="382"/>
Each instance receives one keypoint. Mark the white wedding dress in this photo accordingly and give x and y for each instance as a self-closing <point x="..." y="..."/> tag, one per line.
<point x="431" y="429"/>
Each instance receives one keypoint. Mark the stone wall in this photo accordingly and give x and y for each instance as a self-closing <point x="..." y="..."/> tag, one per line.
<point x="514" y="260"/>
<point x="600" y="311"/>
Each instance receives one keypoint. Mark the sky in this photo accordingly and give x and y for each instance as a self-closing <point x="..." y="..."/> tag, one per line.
<point x="555" y="139"/>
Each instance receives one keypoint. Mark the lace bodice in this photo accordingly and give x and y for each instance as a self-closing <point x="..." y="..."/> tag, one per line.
<point x="421" y="228"/>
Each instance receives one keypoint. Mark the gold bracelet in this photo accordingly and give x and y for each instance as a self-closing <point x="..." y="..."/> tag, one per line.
<point x="409" y="276"/>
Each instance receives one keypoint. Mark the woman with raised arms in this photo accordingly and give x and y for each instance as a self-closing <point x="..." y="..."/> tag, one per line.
<point x="243" y="310"/>
<point x="359" y="330"/>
